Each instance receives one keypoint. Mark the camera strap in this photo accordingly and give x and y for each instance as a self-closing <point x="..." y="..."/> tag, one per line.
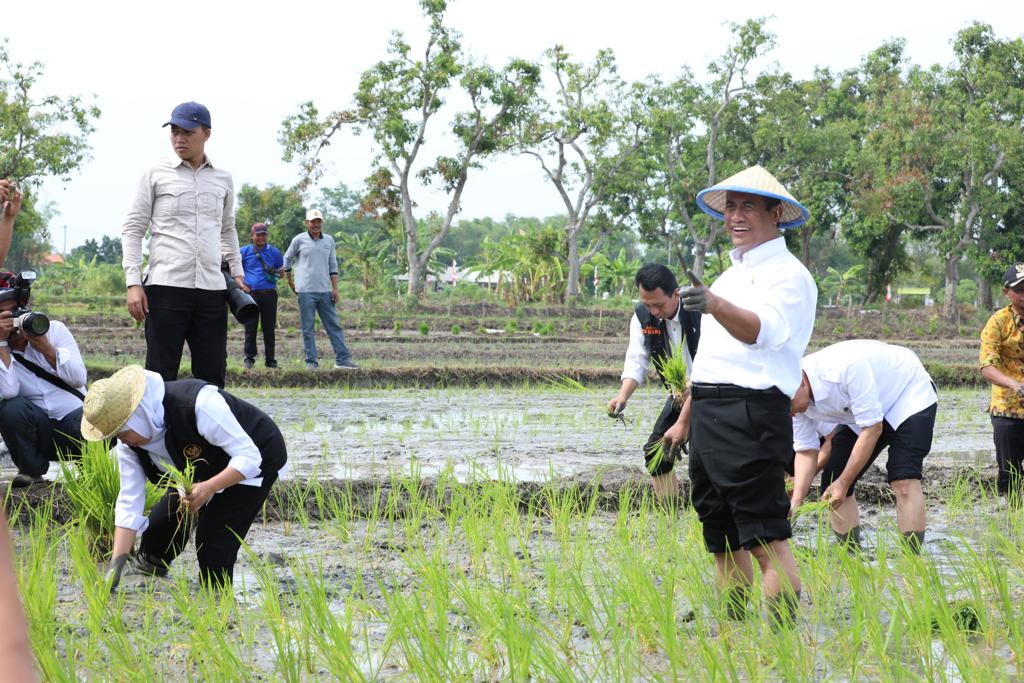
<point x="48" y="376"/>
<point x="271" y="274"/>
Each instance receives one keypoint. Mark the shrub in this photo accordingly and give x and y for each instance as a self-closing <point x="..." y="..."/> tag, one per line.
<point x="456" y="329"/>
<point x="424" y="329"/>
<point x="511" y="326"/>
<point x="398" y="326"/>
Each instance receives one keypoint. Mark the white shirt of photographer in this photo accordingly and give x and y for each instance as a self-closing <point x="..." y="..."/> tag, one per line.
<point x="18" y="380"/>
<point x="858" y="383"/>
<point x="218" y="425"/>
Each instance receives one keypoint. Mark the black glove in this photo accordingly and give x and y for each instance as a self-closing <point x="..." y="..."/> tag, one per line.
<point x="115" y="569"/>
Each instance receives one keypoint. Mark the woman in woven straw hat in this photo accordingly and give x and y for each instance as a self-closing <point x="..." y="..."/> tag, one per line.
<point x="758" y="318"/>
<point x="236" y="449"/>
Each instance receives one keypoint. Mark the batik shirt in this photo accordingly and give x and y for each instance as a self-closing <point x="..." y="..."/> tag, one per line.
<point x="1002" y="345"/>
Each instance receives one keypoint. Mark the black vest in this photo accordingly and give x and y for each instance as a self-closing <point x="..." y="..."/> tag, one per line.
<point x="656" y="332"/>
<point x="184" y="443"/>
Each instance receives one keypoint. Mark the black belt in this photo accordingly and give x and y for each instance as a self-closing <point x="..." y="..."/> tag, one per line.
<point x="730" y="391"/>
<point x="260" y="291"/>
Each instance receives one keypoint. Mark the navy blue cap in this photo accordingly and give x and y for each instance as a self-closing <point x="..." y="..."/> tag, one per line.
<point x="189" y="115"/>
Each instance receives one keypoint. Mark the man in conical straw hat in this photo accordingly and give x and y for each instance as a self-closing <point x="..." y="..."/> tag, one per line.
<point x="758" y="317"/>
<point x="237" y="452"/>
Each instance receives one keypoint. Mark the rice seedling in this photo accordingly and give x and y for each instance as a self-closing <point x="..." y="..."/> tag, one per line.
<point x="92" y="483"/>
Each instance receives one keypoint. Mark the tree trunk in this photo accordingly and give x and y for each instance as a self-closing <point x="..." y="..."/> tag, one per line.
<point x="985" y="294"/>
<point x="700" y="253"/>
<point x="952" y="280"/>
<point x="572" y="286"/>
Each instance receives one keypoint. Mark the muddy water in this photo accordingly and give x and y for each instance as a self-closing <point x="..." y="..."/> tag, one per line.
<point x="530" y="432"/>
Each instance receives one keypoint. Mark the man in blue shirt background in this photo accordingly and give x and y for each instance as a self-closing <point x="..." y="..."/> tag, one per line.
<point x="262" y="264"/>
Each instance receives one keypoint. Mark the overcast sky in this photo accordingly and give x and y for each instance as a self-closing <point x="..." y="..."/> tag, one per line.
<point x="252" y="63"/>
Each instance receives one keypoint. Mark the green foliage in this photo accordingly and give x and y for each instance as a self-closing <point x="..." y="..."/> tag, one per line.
<point x="456" y="329"/>
<point x="424" y="329"/>
<point x="280" y="208"/>
<point x="672" y="369"/>
<point x="398" y="326"/>
<point x="396" y="103"/>
<point x="92" y="484"/>
<point x="108" y="250"/>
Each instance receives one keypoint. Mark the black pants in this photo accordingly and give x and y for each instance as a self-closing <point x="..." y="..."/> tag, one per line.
<point x="197" y="316"/>
<point x="267" y="319"/>
<point x="219" y="528"/>
<point x="908" y="446"/>
<point x="667" y="418"/>
<point x="741" y="441"/>
<point x="1008" y="435"/>
<point x="33" y="438"/>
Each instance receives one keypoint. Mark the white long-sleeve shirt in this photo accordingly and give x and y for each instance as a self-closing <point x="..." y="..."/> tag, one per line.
<point x="859" y="383"/>
<point x="774" y="285"/>
<point x="637" y="358"/>
<point x="17" y="380"/>
<point x="190" y="215"/>
<point x="217" y="424"/>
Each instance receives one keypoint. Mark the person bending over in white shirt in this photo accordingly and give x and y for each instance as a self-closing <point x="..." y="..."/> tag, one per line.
<point x="236" y="449"/>
<point x="881" y="396"/>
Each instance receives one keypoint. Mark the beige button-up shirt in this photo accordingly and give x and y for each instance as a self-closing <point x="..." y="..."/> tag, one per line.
<point x="190" y="215"/>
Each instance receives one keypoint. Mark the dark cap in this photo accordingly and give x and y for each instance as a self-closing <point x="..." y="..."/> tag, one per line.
<point x="189" y="115"/>
<point x="259" y="227"/>
<point x="1014" y="275"/>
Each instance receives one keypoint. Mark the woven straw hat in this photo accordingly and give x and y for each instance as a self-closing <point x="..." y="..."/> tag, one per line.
<point x="111" y="401"/>
<point x="754" y="180"/>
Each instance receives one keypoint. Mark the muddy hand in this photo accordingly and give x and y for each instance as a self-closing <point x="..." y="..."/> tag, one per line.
<point x="615" y="409"/>
<point x="114" y="571"/>
<point x="694" y="297"/>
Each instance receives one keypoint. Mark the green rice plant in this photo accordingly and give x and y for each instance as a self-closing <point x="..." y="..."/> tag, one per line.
<point x="672" y="368"/>
<point x="92" y="484"/>
<point x="424" y="329"/>
<point x="397" y="327"/>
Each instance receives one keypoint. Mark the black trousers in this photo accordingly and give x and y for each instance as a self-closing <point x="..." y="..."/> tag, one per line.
<point x="267" y="319"/>
<point x="34" y="439"/>
<point x="220" y="528"/>
<point x="1008" y="435"/>
<point x="741" y="440"/>
<point x="668" y="416"/>
<point x="197" y="316"/>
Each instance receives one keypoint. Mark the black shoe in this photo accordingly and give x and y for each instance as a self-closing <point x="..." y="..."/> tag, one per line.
<point x="22" y="480"/>
<point x="271" y="363"/>
<point x="147" y="566"/>
<point x="347" y="365"/>
<point x="249" y="363"/>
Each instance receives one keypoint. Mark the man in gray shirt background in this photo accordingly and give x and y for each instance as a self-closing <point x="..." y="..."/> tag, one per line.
<point x="311" y="265"/>
<point x="187" y="205"/>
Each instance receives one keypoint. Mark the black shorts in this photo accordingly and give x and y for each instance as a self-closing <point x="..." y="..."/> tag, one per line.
<point x="741" y="440"/>
<point x="908" y="447"/>
<point x="667" y="418"/>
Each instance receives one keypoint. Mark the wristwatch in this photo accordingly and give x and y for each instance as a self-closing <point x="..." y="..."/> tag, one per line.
<point x="3" y="343"/>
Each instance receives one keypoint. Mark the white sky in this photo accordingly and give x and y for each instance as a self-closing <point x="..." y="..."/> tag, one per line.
<point x="252" y="63"/>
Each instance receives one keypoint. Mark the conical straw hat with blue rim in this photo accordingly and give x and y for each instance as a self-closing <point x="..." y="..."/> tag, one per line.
<point x="754" y="180"/>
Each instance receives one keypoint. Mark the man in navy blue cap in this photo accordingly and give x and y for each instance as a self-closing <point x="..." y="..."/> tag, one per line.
<point x="187" y="205"/>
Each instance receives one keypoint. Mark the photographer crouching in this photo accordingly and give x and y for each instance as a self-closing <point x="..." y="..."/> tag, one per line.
<point x="42" y="382"/>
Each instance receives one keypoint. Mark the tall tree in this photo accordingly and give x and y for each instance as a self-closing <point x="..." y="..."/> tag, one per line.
<point x="958" y="128"/>
<point x="700" y="132"/>
<point x="397" y="101"/>
<point x="40" y="136"/>
<point x="587" y="139"/>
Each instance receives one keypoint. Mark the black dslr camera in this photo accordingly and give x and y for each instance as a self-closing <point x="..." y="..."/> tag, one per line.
<point x="30" y="322"/>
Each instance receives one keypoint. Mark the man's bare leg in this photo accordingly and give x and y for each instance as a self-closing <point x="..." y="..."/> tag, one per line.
<point x="781" y="580"/>
<point x="910" y="511"/>
<point x="734" y="572"/>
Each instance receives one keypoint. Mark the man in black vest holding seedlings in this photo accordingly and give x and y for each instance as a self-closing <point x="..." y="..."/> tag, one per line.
<point x="659" y="325"/>
<point x="236" y="450"/>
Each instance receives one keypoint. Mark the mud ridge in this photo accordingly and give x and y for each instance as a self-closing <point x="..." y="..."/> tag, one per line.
<point x="294" y="500"/>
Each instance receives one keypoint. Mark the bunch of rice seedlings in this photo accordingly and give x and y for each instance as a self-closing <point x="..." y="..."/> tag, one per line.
<point x="672" y="369"/>
<point x="182" y="481"/>
<point x="92" y="484"/>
